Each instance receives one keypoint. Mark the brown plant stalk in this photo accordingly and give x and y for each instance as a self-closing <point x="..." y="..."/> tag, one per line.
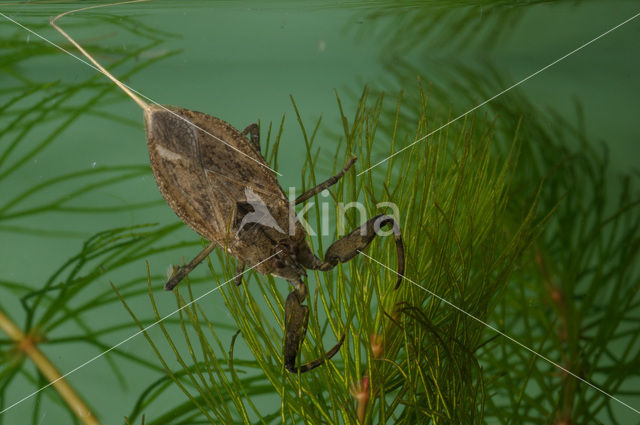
<point x="27" y="345"/>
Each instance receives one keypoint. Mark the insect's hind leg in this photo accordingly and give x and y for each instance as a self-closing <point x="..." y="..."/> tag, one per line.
<point x="325" y="184"/>
<point x="349" y="246"/>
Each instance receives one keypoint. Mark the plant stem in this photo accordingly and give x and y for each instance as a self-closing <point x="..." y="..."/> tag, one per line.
<point x="26" y="344"/>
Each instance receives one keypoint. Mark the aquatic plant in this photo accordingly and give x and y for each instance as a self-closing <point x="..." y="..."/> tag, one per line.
<point x="504" y="224"/>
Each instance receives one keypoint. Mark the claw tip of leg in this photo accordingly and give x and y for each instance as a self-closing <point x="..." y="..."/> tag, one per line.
<point x="400" y="277"/>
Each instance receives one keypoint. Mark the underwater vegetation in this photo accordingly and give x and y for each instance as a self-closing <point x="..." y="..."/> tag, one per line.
<point x="521" y="246"/>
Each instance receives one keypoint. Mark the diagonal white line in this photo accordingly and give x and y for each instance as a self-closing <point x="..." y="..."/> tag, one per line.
<point x="503" y="92"/>
<point x="496" y="330"/>
<point x="135" y="91"/>
<point x="96" y="357"/>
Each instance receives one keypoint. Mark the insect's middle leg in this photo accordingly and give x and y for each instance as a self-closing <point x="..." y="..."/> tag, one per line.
<point x="325" y="184"/>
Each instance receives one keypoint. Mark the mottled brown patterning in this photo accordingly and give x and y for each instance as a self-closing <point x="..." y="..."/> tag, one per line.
<point x="216" y="180"/>
<point x="204" y="181"/>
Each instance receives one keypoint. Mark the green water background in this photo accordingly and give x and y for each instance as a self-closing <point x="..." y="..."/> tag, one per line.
<point x="240" y="62"/>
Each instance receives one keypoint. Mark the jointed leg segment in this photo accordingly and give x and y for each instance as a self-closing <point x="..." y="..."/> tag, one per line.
<point x="295" y="328"/>
<point x="185" y="270"/>
<point x="297" y="315"/>
<point x="325" y="184"/>
<point x="349" y="246"/>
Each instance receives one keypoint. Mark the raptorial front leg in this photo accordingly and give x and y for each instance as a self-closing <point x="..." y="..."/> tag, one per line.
<point x="295" y="329"/>
<point x="349" y="246"/>
<point x="325" y="184"/>
<point x="254" y="134"/>
<point x="185" y="270"/>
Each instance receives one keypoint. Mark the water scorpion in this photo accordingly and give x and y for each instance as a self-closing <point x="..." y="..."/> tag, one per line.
<point x="213" y="176"/>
